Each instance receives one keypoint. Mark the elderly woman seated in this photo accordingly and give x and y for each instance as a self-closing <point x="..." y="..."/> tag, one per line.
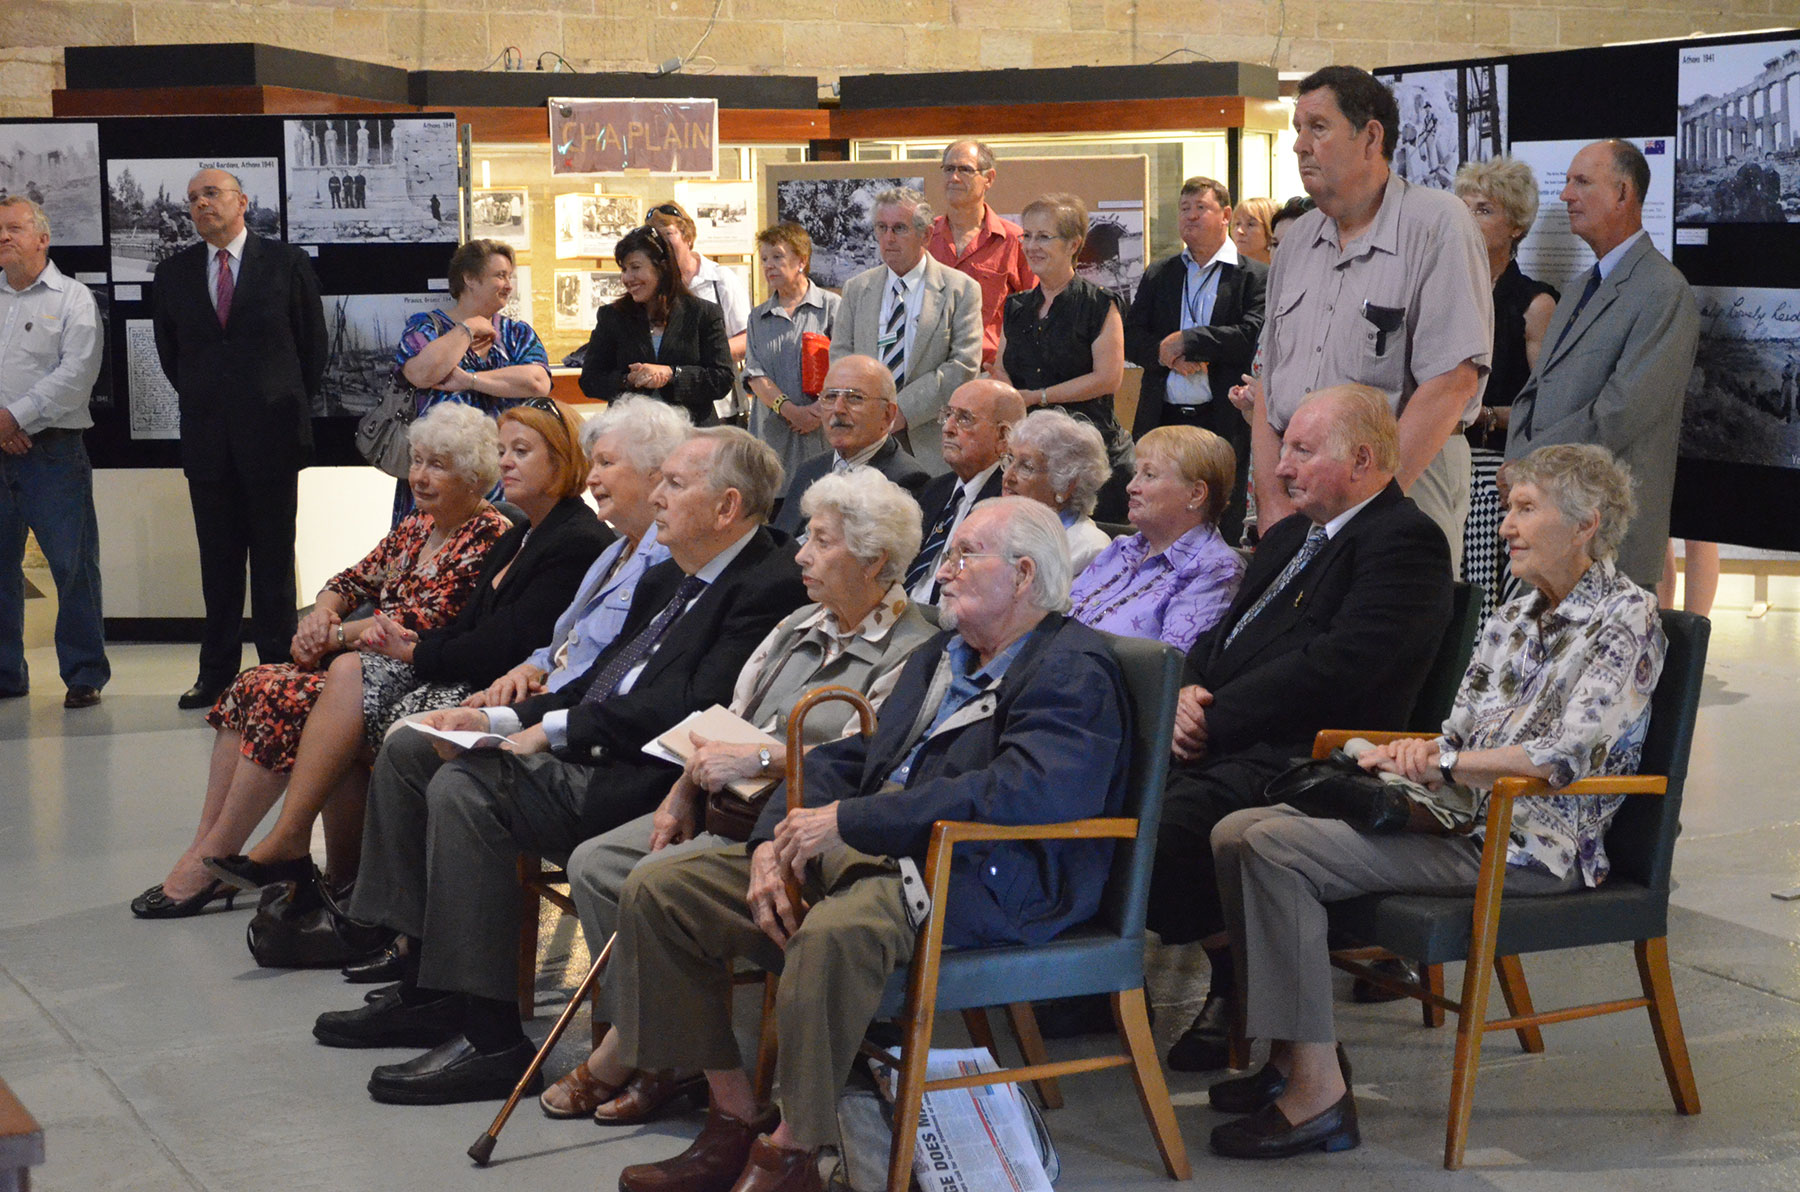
<point x="1559" y="689"/>
<point x="419" y="577"/>
<point x="1175" y="577"/>
<point x="1060" y="461"/>
<point x="396" y="671"/>
<point x="862" y="530"/>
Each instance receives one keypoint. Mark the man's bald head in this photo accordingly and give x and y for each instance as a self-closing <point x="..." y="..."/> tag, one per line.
<point x="975" y="423"/>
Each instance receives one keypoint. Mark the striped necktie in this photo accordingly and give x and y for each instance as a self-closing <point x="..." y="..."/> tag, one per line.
<point x="639" y="648"/>
<point x="893" y="337"/>
<point x="1315" y="541"/>
<point x="925" y="562"/>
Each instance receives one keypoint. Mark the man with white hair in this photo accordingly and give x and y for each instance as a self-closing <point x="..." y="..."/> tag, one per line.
<point x="49" y="357"/>
<point x="1010" y="691"/>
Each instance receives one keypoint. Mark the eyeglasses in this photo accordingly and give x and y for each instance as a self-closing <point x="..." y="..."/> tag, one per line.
<point x="540" y="403"/>
<point x="962" y="418"/>
<point x="956" y="560"/>
<point x="211" y="193"/>
<point x="1024" y="467"/>
<point x="1039" y="237"/>
<point x="851" y="399"/>
<point x="959" y="170"/>
<point x="668" y="209"/>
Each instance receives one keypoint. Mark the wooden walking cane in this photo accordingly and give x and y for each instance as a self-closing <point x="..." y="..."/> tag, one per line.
<point x="483" y="1148"/>
<point x="796" y="752"/>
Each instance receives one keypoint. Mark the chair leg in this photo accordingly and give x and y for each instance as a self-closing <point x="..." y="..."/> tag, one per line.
<point x="1471" y="1023"/>
<point x="909" y="1094"/>
<point x="1665" y="1021"/>
<point x="1518" y="1000"/>
<point x="1432" y="976"/>
<point x="981" y="1032"/>
<point x="1133" y="1019"/>
<point x="1031" y="1047"/>
<point x="767" y="1042"/>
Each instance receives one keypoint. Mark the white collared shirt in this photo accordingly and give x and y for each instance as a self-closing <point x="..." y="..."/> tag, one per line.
<point x="1606" y="264"/>
<point x="49" y="351"/>
<point x="1199" y="293"/>
<point x="911" y="283"/>
<point x="1343" y="519"/>
<point x="236" y="249"/>
<point x="968" y="490"/>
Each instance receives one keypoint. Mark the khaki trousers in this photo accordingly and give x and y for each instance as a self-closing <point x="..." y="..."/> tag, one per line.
<point x="1442" y="493"/>
<point x="683" y="922"/>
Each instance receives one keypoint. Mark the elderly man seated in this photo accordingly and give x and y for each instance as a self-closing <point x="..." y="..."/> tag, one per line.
<point x="441" y="841"/>
<point x="859" y="408"/>
<point x="1015" y="715"/>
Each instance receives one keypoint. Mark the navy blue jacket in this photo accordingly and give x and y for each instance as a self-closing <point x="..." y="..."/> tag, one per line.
<point x="1048" y="743"/>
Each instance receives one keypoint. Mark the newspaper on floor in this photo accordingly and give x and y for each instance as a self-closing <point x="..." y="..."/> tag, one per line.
<point x="973" y="1139"/>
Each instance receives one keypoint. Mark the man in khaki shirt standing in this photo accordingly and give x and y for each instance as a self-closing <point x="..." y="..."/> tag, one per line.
<point x="1386" y="285"/>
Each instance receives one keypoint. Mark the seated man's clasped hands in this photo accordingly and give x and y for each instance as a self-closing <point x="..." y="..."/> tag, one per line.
<point x="1558" y="689"/>
<point x="1015" y="714"/>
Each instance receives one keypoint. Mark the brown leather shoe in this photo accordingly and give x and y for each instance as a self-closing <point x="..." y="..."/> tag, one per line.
<point x="712" y="1163"/>
<point x="774" y="1168"/>
<point x="647" y="1095"/>
<point x="577" y="1094"/>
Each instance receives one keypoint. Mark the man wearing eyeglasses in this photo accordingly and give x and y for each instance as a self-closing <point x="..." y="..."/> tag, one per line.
<point x="1011" y="691"/>
<point x="976" y="423"/>
<point x="241" y="334"/>
<point x="859" y="408"/>
<point x="918" y="317"/>
<point x="972" y="238"/>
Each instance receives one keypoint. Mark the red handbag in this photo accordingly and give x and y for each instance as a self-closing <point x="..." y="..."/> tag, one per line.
<point x="815" y="359"/>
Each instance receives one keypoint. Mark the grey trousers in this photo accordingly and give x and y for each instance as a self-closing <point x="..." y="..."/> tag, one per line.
<point x="441" y="843"/>
<point x="683" y="921"/>
<point x="1442" y="493"/>
<point x="597" y="871"/>
<point x="1277" y="869"/>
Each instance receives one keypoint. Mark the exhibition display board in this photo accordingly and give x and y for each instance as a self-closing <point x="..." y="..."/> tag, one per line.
<point x="1714" y="118"/>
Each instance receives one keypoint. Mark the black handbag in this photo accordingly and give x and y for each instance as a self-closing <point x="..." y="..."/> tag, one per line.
<point x="301" y="925"/>
<point x="1335" y="787"/>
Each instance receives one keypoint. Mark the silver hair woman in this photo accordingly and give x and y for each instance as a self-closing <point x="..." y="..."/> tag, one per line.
<point x="463" y="438"/>
<point x="1060" y="461"/>
<point x="1502" y="195"/>
<point x="1558" y="689"/>
<point x="880" y="521"/>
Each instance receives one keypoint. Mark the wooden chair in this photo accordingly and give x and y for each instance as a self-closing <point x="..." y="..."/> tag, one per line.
<point x="1489" y="933"/>
<point x="1103" y="956"/>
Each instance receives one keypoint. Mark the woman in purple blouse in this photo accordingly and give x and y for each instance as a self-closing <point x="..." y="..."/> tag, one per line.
<point x="1175" y="577"/>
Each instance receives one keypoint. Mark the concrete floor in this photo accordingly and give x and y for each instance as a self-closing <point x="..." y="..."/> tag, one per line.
<point x="157" y="1056"/>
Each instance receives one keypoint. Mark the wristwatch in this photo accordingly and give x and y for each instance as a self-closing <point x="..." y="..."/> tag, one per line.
<point x="1446" y="763"/>
<point x="766" y="758"/>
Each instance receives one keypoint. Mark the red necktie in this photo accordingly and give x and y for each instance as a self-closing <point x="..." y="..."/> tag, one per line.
<point x="225" y="286"/>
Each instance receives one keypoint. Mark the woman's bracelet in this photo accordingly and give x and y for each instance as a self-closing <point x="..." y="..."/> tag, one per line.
<point x="781" y="399"/>
<point x="341" y="643"/>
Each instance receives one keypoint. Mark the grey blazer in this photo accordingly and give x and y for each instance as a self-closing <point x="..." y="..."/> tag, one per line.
<point x="946" y="348"/>
<point x="1619" y="379"/>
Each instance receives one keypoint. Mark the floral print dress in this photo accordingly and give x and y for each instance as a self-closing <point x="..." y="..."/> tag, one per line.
<point x="268" y="705"/>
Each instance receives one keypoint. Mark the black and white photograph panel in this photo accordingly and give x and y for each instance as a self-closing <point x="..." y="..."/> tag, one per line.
<point x="1735" y="147"/>
<point x="1743" y="403"/>
<point x="352" y="179"/>
<point x="364" y="331"/>
<point x="1447" y="118"/>
<point x="580" y="293"/>
<point x="838" y="213"/>
<point x="590" y="225"/>
<point x="56" y="166"/>
<point x="724" y="215"/>
<point x="146" y="203"/>
<point x="503" y="215"/>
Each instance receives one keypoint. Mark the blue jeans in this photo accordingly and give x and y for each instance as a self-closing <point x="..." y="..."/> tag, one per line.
<point x="50" y="490"/>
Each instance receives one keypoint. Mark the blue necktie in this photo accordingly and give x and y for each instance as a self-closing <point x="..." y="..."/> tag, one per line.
<point x="1587" y="292"/>
<point x="1315" y="541"/>
<point x="644" y="644"/>
<point x="926" y="560"/>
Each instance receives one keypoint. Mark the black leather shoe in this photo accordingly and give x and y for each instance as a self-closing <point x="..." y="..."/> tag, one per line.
<point x="453" y="1072"/>
<point x="1247" y="1094"/>
<point x="246" y="874"/>
<point x="1267" y="1134"/>
<point x="389" y="1022"/>
<point x="81" y="696"/>
<point x="1206" y="1044"/>
<point x="154" y="904"/>
<point x="1369" y="993"/>
<point x="201" y="695"/>
<point x="385" y="965"/>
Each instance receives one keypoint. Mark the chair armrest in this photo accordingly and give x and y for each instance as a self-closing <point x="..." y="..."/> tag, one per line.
<point x="947" y="834"/>
<point x="1334" y="738"/>
<point x="1522" y="787"/>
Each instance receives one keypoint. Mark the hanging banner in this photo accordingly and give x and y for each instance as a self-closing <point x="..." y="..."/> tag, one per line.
<point x="610" y="136"/>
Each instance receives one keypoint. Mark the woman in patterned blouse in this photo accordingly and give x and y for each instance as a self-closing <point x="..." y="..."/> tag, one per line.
<point x="1559" y="689"/>
<point x="420" y="575"/>
<point x="1175" y="577"/>
<point x="472" y="353"/>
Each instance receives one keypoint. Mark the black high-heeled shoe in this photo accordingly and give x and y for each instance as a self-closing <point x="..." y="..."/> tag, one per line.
<point x="154" y="904"/>
<point x="245" y="874"/>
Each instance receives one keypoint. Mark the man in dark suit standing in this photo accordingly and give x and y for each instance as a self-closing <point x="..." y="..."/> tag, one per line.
<point x="1193" y="330"/>
<point x="859" y="407"/>
<point x="442" y="838"/>
<point x="1338" y="619"/>
<point x="241" y="334"/>
<point x="976" y="420"/>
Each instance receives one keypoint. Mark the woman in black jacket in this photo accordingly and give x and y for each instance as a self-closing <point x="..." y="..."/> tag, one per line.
<point x="658" y="339"/>
<point x="530" y="576"/>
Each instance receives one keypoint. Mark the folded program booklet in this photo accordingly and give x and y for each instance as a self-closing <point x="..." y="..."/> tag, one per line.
<point x="715" y="724"/>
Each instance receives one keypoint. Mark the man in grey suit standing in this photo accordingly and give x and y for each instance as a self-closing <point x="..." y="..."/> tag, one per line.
<point x="920" y="318"/>
<point x="1621" y="349"/>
